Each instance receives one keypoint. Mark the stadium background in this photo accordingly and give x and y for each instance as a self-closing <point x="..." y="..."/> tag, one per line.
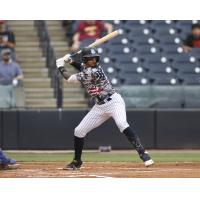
<point x="146" y="64"/>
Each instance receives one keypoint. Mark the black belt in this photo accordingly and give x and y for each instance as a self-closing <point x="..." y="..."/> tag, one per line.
<point x="105" y="100"/>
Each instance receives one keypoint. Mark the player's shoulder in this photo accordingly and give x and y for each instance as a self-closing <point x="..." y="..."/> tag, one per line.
<point x="94" y="69"/>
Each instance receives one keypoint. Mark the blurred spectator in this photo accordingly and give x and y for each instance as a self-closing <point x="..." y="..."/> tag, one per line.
<point x="69" y="26"/>
<point x="10" y="74"/>
<point x="192" y="40"/>
<point x="7" y="38"/>
<point x="89" y="30"/>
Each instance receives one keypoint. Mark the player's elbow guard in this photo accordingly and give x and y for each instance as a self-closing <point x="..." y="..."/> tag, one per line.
<point x="73" y="79"/>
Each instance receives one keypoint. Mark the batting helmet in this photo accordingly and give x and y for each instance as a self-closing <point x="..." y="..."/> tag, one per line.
<point x="89" y="53"/>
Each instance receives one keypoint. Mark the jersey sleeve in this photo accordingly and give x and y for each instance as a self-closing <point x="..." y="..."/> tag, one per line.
<point x="75" y="78"/>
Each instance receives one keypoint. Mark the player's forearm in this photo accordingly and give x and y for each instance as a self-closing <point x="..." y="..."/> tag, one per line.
<point x="60" y="65"/>
<point x="64" y="72"/>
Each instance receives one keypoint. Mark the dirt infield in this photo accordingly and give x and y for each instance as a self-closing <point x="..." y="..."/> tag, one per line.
<point x="104" y="170"/>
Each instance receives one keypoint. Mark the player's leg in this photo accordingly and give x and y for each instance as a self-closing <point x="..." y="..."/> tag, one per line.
<point x="119" y="115"/>
<point x="92" y="120"/>
<point x="7" y="163"/>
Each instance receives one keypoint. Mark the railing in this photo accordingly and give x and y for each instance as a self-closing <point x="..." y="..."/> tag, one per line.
<point x="49" y="54"/>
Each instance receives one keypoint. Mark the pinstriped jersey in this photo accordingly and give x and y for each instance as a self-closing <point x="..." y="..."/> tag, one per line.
<point x="96" y="82"/>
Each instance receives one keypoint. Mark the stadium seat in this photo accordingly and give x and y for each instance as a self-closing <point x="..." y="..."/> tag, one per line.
<point x="155" y="58"/>
<point x="195" y="52"/>
<point x="190" y="79"/>
<point x="179" y="66"/>
<point x="132" y="79"/>
<point x="150" y="66"/>
<point x="147" y="49"/>
<point x="169" y="39"/>
<point x="159" y="68"/>
<point x="164" y="79"/>
<point x="184" y="58"/>
<point x="185" y="25"/>
<point x="109" y="68"/>
<point x="172" y="51"/>
<point x="144" y="40"/>
<point x="130" y="67"/>
<point x="187" y="69"/>
<point x="117" y="24"/>
<point x="127" y="58"/>
<point x="137" y="32"/>
<point x="134" y="24"/>
<point x="166" y="31"/>
<point x="119" y="49"/>
<point x="106" y="60"/>
<point x="120" y="40"/>
<point x="159" y="24"/>
<point x="102" y="50"/>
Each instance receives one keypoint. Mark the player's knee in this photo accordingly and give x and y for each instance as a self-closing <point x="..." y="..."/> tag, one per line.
<point x="78" y="132"/>
<point x="122" y="125"/>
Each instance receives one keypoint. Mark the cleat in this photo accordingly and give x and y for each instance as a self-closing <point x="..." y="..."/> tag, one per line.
<point x="146" y="159"/>
<point x="9" y="164"/>
<point x="74" y="165"/>
<point x="10" y="167"/>
<point x="148" y="163"/>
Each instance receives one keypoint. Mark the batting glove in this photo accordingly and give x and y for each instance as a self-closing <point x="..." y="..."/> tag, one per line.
<point x="60" y="62"/>
<point x="67" y="58"/>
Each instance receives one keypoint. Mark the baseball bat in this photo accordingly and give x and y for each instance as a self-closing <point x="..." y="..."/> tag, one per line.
<point x="100" y="41"/>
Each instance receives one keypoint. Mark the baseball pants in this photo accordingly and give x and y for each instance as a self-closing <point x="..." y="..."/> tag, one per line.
<point x="100" y="113"/>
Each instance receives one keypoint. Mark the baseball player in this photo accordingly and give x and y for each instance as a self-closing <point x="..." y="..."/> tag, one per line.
<point x="7" y="163"/>
<point x="108" y="103"/>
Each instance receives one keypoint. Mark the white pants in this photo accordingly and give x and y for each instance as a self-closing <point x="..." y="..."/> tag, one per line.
<point x="100" y="113"/>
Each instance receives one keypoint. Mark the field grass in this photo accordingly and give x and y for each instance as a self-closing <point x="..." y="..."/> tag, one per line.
<point x="114" y="156"/>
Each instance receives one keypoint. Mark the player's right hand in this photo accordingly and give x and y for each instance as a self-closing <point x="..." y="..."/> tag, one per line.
<point x="60" y="62"/>
<point x="67" y="58"/>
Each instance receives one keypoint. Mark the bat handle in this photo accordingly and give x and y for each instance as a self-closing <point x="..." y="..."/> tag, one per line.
<point x="72" y="55"/>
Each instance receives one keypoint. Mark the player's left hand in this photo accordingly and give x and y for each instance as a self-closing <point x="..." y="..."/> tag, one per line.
<point x="60" y="62"/>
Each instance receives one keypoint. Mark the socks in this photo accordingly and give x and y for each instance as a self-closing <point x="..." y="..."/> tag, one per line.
<point x="78" y="147"/>
<point x="134" y="140"/>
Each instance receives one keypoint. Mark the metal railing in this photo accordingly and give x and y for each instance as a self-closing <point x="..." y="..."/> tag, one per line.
<point x="50" y="57"/>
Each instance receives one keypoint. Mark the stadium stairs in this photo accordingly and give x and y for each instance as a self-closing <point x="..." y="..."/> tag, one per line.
<point x="37" y="84"/>
<point x="73" y="94"/>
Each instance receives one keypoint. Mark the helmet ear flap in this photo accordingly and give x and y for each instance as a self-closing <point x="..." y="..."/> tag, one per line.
<point x="98" y="59"/>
